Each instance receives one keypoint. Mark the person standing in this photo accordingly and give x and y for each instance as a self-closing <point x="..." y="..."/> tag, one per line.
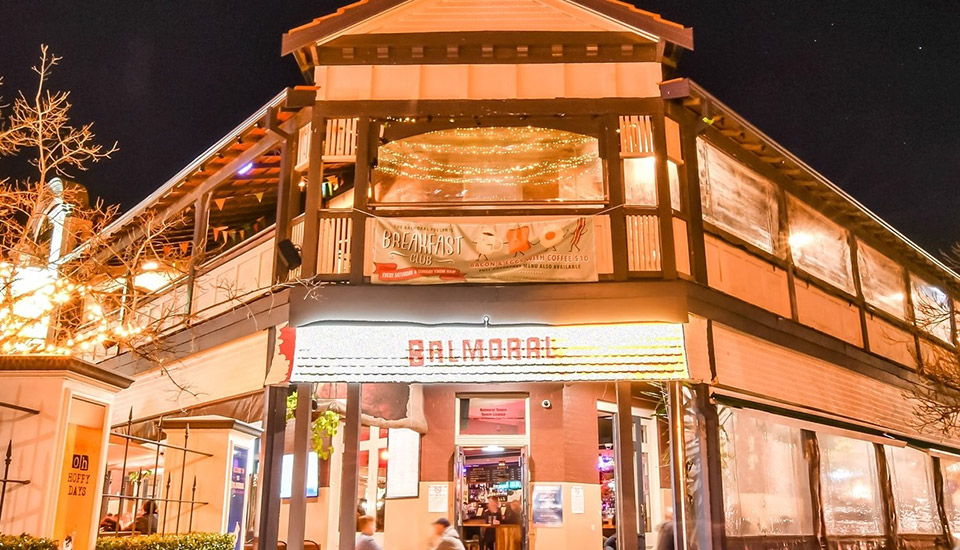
<point x="447" y="537"/>
<point x="493" y="516"/>
<point x="365" y="540"/>
<point x="665" y="531"/>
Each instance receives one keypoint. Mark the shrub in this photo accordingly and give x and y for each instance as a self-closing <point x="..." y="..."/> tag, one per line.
<point x="192" y="541"/>
<point x="27" y="542"/>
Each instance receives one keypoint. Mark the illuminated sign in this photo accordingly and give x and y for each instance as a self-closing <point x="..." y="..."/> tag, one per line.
<point x="409" y="353"/>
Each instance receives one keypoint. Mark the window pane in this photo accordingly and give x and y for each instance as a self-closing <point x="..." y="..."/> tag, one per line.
<point x="737" y="199"/>
<point x="881" y="280"/>
<point x="851" y="494"/>
<point x="766" y="487"/>
<point x="951" y="491"/>
<point x="819" y="246"/>
<point x="493" y="416"/>
<point x="488" y="165"/>
<point x="931" y="307"/>
<point x="639" y="176"/>
<point x="913" y="490"/>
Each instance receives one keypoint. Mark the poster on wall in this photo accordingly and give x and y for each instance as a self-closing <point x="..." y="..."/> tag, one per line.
<point x="422" y="252"/>
<point x="437" y="498"/>
<point x="403" y="468"/>
<point x="547" y="505"/>
<point x="238" y="493"/>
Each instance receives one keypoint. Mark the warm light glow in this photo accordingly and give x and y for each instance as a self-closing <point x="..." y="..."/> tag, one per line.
<point x="800" y="239"/>
<point x="245" y="169"/>
<point x="493" y="449"/>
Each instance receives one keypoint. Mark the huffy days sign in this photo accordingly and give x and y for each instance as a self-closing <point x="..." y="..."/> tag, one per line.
<point x="422" y="252"/>
<point x="375" y="352"/>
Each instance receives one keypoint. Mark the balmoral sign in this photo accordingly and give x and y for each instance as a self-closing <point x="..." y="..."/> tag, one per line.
<point x="422" y="252"/>
<point x="375" y="352"/>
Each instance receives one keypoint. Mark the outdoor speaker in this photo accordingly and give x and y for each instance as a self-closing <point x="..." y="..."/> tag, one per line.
<point x="289" y="254"/>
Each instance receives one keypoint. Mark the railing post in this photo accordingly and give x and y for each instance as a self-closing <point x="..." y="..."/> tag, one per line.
<point x="8" y="458"/>
<point x="201" y="214"/>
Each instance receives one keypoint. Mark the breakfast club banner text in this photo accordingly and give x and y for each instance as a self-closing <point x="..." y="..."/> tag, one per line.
<point x="421" y="252"/>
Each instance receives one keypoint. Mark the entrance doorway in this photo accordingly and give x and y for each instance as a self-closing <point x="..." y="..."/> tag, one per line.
<point x="645" y="461"/>
<point x="491" y="485"/>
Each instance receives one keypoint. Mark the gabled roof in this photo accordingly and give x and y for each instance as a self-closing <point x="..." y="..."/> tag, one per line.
<point x="407" y="16"/>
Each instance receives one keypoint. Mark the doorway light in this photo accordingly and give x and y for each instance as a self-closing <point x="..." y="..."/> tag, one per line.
<point x="492" y="449"/>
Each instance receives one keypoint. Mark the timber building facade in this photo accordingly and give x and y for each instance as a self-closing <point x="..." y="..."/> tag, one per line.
<point x="522" y="257"/>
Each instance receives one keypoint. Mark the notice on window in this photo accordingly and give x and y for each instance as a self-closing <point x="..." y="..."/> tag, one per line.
<point x="403" y="464"/>
<point x="437" y="499"/>
<point x="419" y="252"/>
<point x="548" y="505"/>
<point x="576" y="499"/>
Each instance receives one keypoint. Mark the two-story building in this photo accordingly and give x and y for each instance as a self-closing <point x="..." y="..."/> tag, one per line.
<point x="523" y="258"/>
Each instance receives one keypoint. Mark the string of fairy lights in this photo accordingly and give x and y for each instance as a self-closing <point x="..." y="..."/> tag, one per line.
<point x="420" y="159"/>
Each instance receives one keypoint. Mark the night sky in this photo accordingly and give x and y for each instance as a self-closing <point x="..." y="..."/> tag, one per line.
<point x="865" y="92"/>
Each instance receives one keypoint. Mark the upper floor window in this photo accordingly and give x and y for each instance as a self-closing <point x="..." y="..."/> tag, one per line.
<point x="931" y="308"/>
<point x="881" y="280"/>
<point x="737" y="199"/>
<point x="489" y="165"/>
<point x="819" y="246"/>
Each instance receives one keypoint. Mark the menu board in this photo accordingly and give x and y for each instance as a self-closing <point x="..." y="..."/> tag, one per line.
<point x="403" y="466"/>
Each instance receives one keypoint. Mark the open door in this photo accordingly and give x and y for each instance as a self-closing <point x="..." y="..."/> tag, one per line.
<point x="496" y="473"/>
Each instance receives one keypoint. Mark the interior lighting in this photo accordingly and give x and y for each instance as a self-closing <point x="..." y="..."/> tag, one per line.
<point x="492" y="449"/>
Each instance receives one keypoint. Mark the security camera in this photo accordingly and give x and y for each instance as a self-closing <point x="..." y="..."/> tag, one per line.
<point x="546" y="404"/>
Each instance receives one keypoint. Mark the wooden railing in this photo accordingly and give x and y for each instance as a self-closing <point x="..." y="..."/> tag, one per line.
<point x="643" y="242"/>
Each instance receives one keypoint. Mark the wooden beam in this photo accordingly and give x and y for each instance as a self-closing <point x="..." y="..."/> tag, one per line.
<point x="610" y="142"/>
<point x="297" y="515"/>
<point x="271" y="459"/>
<point x="668" y="249"/>
<point x="678" y="471"/>
<point x="623" y="444"/>
<point x="366" y="149"/>
<point x="288" y="205"/>
<point x="311" y="217"/>
<point x="350" y="469"/>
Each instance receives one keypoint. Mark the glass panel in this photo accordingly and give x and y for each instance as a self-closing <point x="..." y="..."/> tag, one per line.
<point x="819" y="246"/>
<point x="737" y="199"/>
<point x="313" y="475"/>
<point x="363" y="462"/>
<point x="881" y="280"/>
<point x="931" y="308"/>
<point x="639" y="176"/>
<point x="851" y="494"/>
<point x="766" y="486"/>
<point x="489" y="165"/>
<point x="493" y="416"/>
<point x="913" y="490"/>
<point x="951" y="491"/>
<point x="382" y="487"/>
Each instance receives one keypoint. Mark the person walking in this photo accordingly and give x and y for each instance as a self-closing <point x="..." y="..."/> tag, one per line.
<point x="365" y="540"/>
<point x="447" y="537"/>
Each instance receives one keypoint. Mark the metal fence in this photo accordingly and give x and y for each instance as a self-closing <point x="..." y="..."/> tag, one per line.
<point x="138" y="486"/>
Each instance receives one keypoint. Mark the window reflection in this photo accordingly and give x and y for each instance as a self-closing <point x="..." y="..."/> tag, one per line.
<point x="913" y="490"/>
<point x="766" y="488"/>
<point x="851" y="495"/>
<point x="489" y="165"/>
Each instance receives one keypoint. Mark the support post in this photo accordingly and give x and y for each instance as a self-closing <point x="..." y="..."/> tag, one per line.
<point x="618" y="218"/>
<point x="367" y="133"/>
<point x="271" y="458"/>
<point x="201" y="215"/>
<point x="627" y="534"/>
<point x="311" y="211"/>
<point x="296" y="523"/>
<point x="668" y="249"/>
<point x="678" y="475"/>
<point x="288" y="204"/>
<point x="350" y="472"/>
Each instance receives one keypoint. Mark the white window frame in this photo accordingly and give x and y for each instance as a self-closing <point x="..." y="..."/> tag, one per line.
<point x="484" y="440"/>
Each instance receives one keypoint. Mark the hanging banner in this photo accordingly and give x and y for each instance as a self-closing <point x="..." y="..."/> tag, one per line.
<point x="408" y="353"/>
<point x="422" y="252"/>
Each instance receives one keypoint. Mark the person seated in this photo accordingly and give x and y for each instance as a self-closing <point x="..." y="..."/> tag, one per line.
<point x="514" y="513"/>
<point x="109" y="523"/>
<point x="147" y="522"/>
<point x="365" y="540"/>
